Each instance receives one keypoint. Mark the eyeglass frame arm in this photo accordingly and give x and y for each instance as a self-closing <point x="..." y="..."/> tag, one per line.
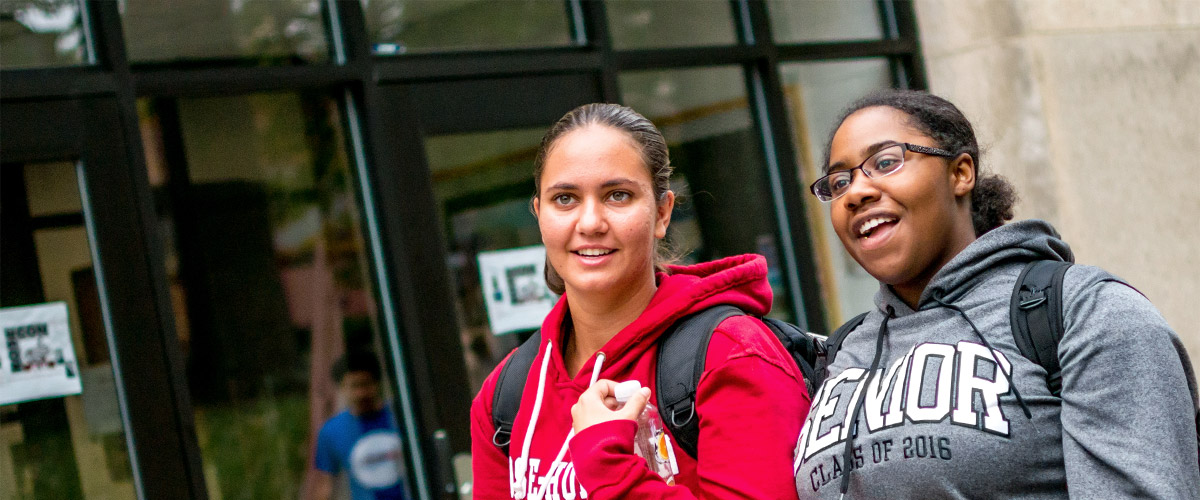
<point x="916" y="148"/>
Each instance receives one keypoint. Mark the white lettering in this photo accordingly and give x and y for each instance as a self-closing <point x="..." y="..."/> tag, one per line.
<point x="826" y="409"/>
<point x="881" y="387"/>
<point x="516" y="477"/>
<point x="802" y="442"/>
<point x="535" y="482"/>
<point x="552" y="478"/>
<point x="942" y="375"/>
<point x="559" y="482"/>
<point x="941" y="383"/>
<point x="990" y="389"/>
<point x="568" y="482"/>
<point x="848" y="424"/>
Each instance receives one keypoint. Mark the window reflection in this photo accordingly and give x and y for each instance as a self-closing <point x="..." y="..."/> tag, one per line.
<point x="266" y="260"/>
<point x="796" y="21"/>
<point x="35" y="34"/>
<point x="816" y="93"/>
<point x="483" y="182"/>
<point x="704" y="115"/>
<point x="407" y="26"/>
<point x="646" y="24"/>
<point x="72" y="447"/>
<point x="268" y="32"/>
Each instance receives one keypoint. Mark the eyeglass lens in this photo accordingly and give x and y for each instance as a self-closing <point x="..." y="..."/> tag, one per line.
<point x="884" y="162"/>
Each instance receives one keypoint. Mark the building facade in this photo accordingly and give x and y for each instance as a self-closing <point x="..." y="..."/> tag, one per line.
<point x="229" y="195"/>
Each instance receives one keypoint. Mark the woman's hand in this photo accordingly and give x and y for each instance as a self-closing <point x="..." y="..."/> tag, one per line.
<point x="599" y="404"/>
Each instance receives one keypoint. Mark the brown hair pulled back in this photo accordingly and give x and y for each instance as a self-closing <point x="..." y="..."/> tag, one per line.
<point x="651" y="145"/>
<point x="993" y="197"/>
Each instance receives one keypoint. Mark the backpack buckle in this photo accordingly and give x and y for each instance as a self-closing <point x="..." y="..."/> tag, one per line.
<point x="820" y="348"/>
<point x="1032" y="300"/>
<point x="691" y="407"/>
<point x="507" y="437"/>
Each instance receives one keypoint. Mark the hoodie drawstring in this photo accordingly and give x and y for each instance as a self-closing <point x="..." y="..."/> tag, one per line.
<point x="595" y="376"/>
<point x="518" y="478"/>
<point x="992" y="353"/>
<point x="848" y="451"/>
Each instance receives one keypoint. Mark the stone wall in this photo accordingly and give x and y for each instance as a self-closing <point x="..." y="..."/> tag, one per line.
<point x="1092" y="109"/>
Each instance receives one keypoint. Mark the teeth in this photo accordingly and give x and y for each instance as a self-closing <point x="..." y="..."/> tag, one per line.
<point x="872" y="224"/>
<point x="593" y="252"/>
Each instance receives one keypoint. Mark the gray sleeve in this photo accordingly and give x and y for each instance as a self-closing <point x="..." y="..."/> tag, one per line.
<point x="1128" y="409"/>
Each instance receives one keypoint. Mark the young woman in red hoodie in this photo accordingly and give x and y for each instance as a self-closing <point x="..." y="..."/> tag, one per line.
<point x="603" y="204"/>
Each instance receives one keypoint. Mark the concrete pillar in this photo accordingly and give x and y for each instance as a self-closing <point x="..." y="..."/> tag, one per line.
<point x="1092" y="109"/>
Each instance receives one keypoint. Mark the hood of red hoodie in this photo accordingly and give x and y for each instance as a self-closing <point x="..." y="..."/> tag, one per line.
<point x="538" y="450"/>
<point x="683" y="290"/>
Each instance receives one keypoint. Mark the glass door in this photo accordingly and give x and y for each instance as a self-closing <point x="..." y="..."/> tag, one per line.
<point x="456" y="163"/>
<point x="481" y="171"/>
<point x="56" y="443"/>
<point x="88" y="403"/>
<point x="275" y="310"/>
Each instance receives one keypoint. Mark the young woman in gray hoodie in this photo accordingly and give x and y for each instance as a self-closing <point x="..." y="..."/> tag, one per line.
<point x="930" y="397"/>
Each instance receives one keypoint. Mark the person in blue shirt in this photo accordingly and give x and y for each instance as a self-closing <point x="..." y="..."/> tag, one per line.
<point x="361" y="441"/>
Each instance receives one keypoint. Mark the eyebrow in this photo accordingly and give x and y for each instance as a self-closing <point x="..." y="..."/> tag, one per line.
<point x="566" y="186"/>
<point x="866" y="152"/>
<point x="617" y="182"/>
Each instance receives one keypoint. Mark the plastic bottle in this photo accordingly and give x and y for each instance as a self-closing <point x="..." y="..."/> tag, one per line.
<point x="651" y="441"/>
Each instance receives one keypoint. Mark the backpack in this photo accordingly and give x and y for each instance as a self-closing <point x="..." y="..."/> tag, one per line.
<point x="1036" y="314"/>
<point x="1035" y="311"/>
<point x="681" y="355"/>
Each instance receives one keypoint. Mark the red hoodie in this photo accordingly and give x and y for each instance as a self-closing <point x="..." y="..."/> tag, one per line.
<point x="751" y="403"/>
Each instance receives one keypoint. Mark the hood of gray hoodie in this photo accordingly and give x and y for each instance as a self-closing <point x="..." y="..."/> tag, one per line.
<point x="1018" y="242"/>
<point x="939" y="417"/>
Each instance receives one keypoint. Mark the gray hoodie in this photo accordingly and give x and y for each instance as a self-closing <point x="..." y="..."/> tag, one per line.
<point x="940" y="420"/>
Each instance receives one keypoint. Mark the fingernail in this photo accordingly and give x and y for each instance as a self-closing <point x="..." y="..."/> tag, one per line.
<point x="645" y="391"/>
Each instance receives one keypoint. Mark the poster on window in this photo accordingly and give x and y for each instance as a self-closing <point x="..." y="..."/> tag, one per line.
<point x="39" y="360"/>
<point x="514" y="288"/>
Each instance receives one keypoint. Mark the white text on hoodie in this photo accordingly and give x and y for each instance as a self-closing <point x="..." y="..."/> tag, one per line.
<point x="557" y="483"/>
<point x="956" y="381"/>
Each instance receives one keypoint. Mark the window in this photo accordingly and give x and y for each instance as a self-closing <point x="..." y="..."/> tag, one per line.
<point x="412" y="26"/>
<point x="41" y="34"/>
<point x="816" y="93"/>
<point x="274" y="32"/>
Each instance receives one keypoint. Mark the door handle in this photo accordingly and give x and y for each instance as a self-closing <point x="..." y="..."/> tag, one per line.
<point x="447" y="486"/>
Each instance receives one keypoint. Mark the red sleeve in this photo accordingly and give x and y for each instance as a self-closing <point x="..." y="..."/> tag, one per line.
<point x="752" y="403"/>
<point x="489" y="465"/>
<point x="751" y="410"/>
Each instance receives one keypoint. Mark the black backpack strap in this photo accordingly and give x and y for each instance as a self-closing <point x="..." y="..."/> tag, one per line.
<point x="681" y="354"/>
<point x="834" y="342"/>
<point x="1036" y="314"/>
<point x="506" y="400"/>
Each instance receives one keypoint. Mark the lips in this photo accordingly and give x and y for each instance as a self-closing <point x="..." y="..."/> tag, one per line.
<point x="594" y="256"/>
<point x="870" y="225"/>
<point x="593" y="252"/>
<point x="872" y="230"/>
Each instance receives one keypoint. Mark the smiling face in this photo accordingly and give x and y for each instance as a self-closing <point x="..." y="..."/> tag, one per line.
<point x="904" y="227"/>
<point x="598" y="214"/>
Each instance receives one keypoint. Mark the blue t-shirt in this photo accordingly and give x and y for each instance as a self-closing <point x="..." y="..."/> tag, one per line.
<point x="369" y="449"/>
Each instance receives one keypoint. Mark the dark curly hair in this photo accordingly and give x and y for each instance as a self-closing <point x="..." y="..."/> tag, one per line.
<point x="651" y="144"/>
<point x="993" y="197"/>
<point x="357" y="361"/>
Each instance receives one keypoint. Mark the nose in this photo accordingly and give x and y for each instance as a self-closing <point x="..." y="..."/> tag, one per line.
<point x="592" y="218"/>
<point x="862" y="190"/>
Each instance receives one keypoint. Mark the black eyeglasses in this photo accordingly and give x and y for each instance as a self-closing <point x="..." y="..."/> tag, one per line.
<point x="884" y="162"/>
